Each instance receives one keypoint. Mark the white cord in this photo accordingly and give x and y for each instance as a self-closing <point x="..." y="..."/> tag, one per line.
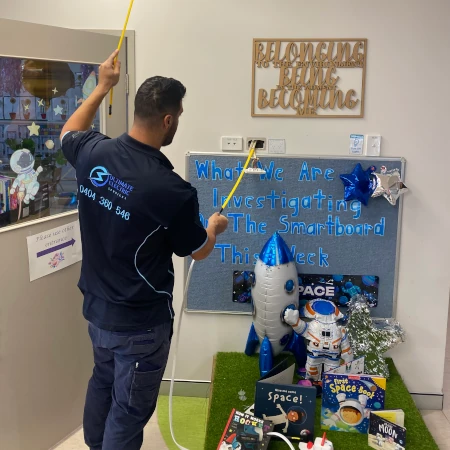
<point x="285" y="439"/>
<point x="172" y="381"/>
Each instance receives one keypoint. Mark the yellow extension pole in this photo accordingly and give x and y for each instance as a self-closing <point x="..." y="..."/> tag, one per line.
<point x="118" y="48"/>
<point x="250" y="154"/>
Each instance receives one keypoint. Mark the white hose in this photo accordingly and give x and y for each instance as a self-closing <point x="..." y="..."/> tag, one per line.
<point x="172" y="381"/>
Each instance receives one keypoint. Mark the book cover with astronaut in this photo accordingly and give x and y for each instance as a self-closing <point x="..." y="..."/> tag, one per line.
<point x="348" y="400"/>
<point x="245" y="432"/>
<point x="386" y="430"/>
<point x="290" y="407"/>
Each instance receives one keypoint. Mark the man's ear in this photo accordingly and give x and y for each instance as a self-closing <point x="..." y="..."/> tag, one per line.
<point x="168" y="120"/>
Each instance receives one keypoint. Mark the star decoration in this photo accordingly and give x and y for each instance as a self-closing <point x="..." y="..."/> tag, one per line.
<point x="41" y="102"/>
<point x="371" y="338"/>
<point x="55" y="91"/>
<point x="359" y="184"/>
<point x="389" y="185"/>
<point x="93" y="126"/>
<point x="26" y="107"/>
<point x="57" y="110"/>
<point x="34" y="129"/>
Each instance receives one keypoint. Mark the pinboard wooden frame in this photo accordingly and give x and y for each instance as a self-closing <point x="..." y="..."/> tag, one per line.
<point x="318" y="116"/>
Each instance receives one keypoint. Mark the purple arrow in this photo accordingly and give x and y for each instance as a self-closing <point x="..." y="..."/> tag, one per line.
<point x="57" y="247"/>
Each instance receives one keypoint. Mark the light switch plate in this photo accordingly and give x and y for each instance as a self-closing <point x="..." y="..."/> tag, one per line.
<point x="276" y="145"/>
<point x="372" y="145"/>
<point x="231" y="143"/>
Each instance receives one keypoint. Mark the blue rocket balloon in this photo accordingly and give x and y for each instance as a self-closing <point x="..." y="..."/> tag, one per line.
<point x="274" y="288"/>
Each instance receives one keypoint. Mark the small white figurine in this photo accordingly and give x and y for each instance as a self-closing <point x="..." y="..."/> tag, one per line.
<point x="327" y="341"/>
<point x="319" y="444"/>
<point x="22" y="162"/>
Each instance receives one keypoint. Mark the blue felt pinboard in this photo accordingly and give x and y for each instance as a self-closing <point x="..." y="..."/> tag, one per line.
<point x="302" y="198"/>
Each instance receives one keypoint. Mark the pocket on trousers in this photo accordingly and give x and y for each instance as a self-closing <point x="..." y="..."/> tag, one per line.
<point x="145" y="388"/>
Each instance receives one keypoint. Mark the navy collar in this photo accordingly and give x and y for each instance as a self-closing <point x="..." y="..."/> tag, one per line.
<point x="151" y="151"/>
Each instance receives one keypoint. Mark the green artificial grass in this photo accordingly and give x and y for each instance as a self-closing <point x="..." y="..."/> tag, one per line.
<point x="234" y="372"/>
<point x="189" y="421"/>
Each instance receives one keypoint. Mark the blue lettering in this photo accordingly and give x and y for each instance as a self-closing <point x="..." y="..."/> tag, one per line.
<point x="349" y="229"/>
<point x="310" y="256"/>
<point x="306" y="202"/>
<point x="359" y="230"/>
<point x="327" y="175"/>
<point x="248" y="200"/>
<point x="260" y="202"/>
<point x="250" y="225"/>
<point x="330" y="224"/>
<point x="278" y="173"/>
<point x="321" y="227"/>
<point x="340" y="203"/>
<point x="300" y="258"/>
<point x="367" y="227"/>
<point x="304" y="172"/>
<point x="323" y="258"/>
<point x="311" y="230"/>
<point x="235" y="217"/>
<point x="379" y="227"/>
<point x="296" y="227"/>
<point x="330" y="203"/>
<point x="216" y="171"/>
<point x="255" y="257"/>
<point x="202" y="169"/>
<point x="235" y="254"/>
<point x="315" y="171"/>
<point x="222" y="248"/>
<point x="273" y="198"/>
<point x="283" y="221"/>
<point x="262" y="228"/>
<point x="239" y="168"/>
<point x="339" y="228"/>
<point x="294" y="203"/>
<point x="237" y="201"/>
<point x="215" y="198"/>
<point x="228" y="174"/>
<point x="355" y="206"/>
<point x="319" y="197"/>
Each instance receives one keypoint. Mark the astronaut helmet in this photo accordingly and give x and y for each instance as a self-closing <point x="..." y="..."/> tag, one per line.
<point x="22" y="161"/>
<point x="351" y="411"/>
<point x="323" y="310"/>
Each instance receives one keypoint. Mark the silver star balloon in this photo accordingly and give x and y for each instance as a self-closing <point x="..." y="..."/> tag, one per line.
<point x="388" y="184"/>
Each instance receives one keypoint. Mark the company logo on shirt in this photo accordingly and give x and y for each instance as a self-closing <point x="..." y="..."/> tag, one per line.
<point x="101" y="177"/>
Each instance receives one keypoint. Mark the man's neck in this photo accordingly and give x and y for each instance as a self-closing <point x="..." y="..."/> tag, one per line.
<point x="145" y="137"/>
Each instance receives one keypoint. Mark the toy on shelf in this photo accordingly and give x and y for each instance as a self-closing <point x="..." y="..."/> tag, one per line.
<point x="319" y="444"/>
<point x="274" y="287"/>
<point x="327" y="340"/>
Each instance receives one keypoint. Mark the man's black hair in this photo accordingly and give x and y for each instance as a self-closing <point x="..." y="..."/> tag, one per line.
<point x="157" y="97"/>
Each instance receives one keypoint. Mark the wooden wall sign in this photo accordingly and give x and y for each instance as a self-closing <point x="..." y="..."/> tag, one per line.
<point x="308" y="78"/>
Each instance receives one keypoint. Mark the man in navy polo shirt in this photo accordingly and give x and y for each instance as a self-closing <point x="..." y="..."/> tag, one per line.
<point x="135" y="212"/>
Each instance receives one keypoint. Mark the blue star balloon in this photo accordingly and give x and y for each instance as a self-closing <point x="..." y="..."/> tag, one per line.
<point x="359" y="185"/>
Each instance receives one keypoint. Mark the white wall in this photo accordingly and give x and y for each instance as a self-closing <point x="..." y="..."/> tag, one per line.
<point x="208" y="45"/>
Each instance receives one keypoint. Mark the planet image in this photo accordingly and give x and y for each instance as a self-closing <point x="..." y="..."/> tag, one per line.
<point x="50" y="144"/>
<point x="338" y="277"/>
<point x="343" y="300"/>
<point x="369" y="280"/>
<point x="89" y="85"/>
<point x="377" y="405"/>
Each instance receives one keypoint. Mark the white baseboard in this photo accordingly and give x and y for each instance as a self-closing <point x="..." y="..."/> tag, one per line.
<point x="202" y="389"/>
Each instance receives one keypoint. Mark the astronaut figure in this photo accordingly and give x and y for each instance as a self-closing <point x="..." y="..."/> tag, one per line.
<point x="22" y="162"/>
<point x="380" y="440"/>
<point x="327" y="341"/>
<point x="351" y="411"/>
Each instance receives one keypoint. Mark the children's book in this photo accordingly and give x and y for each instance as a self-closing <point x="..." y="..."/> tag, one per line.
<point x="386" y="430"/>
<point x="354" y="367"/>
<point x="245" y="432"/>
<point x="289" y="406"/>
<point x="348" y="400"/>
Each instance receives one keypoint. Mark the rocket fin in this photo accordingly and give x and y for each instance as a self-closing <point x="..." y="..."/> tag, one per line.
<point x="265" y="357"/>
<point x="296" y="345"/>
<point x="252" y="341"/>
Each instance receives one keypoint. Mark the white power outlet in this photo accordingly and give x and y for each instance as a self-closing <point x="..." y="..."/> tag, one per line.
<point x="277" y="145"/>
<point x="231" y="143"/>
<point x="372" y="145"/>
